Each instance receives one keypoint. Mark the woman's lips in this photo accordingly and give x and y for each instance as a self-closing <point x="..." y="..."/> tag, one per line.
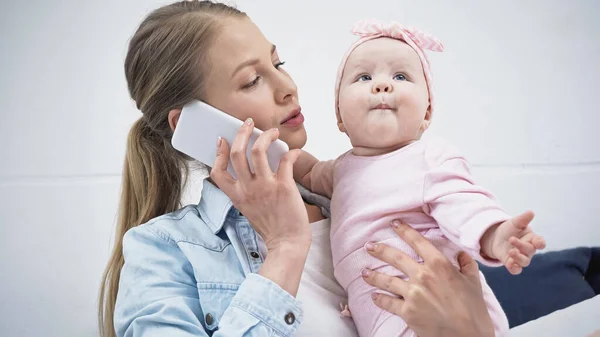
<point x="295" y="118"/>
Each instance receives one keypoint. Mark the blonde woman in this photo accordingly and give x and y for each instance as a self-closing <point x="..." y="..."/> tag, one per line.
<point x="253" y="257"/>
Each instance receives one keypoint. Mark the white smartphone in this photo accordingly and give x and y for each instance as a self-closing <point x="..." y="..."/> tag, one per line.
<point x="199" y="127"/>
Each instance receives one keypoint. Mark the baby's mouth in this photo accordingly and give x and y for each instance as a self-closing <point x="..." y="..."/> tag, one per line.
<point x="382" y="106"/>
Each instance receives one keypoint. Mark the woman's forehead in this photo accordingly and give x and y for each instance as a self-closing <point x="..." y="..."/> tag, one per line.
<point x="238" y="41"/>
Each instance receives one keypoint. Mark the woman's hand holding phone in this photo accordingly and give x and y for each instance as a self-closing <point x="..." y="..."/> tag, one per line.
<point x="269" y="200"/>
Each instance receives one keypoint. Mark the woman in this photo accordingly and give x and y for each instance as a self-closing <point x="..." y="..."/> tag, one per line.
<point x="241" y="261"/>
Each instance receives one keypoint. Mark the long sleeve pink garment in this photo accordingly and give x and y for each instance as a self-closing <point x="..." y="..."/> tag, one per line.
<point x="427" y="184"/>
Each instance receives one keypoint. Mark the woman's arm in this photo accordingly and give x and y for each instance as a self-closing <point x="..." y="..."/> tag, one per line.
<point x="284" y="265"/>
<point x="159" y="296"/>
<point x="438" y="300"/>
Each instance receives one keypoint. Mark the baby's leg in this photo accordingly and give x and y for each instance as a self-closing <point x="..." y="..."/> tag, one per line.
<point x="499" y="319"/>
<point x="370" y="320"/>
<point x="450" y="250"/>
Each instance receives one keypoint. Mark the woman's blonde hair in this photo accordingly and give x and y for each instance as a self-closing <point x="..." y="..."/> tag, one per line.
<point x="164" y="67"/>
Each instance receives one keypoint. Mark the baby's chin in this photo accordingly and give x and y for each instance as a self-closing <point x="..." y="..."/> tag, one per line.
<point x="380" y="143"/>
<point x="387" y="131"/>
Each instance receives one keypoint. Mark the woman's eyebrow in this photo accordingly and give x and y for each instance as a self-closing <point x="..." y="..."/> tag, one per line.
<point x="251" y="62"/>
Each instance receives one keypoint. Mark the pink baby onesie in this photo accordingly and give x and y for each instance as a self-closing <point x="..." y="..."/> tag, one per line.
<point x="426" y="184"/>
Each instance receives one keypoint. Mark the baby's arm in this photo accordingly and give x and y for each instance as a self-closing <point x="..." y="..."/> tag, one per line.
<point x="315" y="175"/>
<point x="303" y="168"/>
<point x="470" y="216"/>
<point x="512" y="242"/>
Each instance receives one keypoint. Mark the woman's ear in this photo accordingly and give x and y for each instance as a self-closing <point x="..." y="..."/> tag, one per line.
<point x="174" y="118"/>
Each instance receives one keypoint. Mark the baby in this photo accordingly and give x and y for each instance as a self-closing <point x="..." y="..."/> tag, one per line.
<point x="384" y="103"/>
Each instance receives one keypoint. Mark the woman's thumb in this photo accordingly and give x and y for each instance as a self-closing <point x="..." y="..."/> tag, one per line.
<point x="468" y="266"/>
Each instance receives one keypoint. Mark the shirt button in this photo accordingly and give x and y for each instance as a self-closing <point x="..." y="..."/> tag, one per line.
<point x="209" y="319"/>
<point x="290" y="318"/>
<point x="254" y="255"/>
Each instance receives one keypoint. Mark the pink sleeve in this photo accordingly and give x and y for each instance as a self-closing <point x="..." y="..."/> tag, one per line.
<point x="463" y="209"/>
<point x="321" y="178"/>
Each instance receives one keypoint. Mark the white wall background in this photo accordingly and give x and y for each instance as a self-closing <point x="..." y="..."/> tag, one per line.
<point x="517" y="87"/>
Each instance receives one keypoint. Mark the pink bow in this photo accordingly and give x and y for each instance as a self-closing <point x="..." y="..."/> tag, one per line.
<point x="371" y="27"/>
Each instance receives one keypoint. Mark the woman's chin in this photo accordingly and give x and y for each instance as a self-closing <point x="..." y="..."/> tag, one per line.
<point x="295" y="140"/>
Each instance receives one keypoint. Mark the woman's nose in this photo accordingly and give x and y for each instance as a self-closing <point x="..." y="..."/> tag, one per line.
<point x="382" y="87"/>
<point x="286" y="89"/>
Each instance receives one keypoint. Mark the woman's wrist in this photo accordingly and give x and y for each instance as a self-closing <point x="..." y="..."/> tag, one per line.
<point x="479" y="325"/>
<point x="284" y="264"/>
<point x="478" y="330"/>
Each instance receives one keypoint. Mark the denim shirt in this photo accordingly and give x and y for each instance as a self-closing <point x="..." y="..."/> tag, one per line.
<point x="193" y="272"/>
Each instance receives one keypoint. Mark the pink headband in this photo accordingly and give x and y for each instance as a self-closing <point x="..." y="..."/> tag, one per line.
<point x="371" y="29"/>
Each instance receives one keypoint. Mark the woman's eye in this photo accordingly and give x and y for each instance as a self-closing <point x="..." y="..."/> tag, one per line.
<point x="363" y="78"/>
<point x="279" y="64"/>
<point x="399" y="77"/>
<point x="251" y="84"/>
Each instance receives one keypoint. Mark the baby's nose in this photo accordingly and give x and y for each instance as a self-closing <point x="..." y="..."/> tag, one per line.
<point x="382" y="87"/>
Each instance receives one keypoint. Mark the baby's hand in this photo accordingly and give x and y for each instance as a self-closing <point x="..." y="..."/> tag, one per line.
<point x="514" y="243"/>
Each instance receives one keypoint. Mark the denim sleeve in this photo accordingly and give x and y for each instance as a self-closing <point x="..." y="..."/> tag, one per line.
<point x="158" y="296"/>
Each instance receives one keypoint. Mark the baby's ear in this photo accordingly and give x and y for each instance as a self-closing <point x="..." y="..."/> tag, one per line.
<point x="428" y="114"/>
<point x="340" y="123"/>
<point x="427" y="120"/>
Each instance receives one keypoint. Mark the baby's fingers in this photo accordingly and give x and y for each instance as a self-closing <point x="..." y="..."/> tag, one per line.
<point x="522" y="221"/>
<point x="522" y="245"/>
<point x="513" y="267"/>
<point x="519" y="258"/>
<point x="538" y="242"/>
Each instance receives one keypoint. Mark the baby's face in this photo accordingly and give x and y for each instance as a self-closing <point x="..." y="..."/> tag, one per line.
<point x="383" y="98"/>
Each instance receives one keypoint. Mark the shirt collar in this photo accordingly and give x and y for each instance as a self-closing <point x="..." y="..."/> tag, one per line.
<point x="215" y="206"/>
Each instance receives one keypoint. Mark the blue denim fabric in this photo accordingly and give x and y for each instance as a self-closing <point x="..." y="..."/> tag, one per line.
<point x="194" y="273"/>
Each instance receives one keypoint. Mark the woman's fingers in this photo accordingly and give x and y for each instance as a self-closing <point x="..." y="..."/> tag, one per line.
<point x="468" y="267"/>
<point x="219" y="173"/>
<point x="239" y="160"/>
<point x="392" y="284"/>
<point x="260" y="163"/>
<point x="286" y="165"/>
<point x="388" y="303"/>
<point x="422" y="247"/>
<point x="394" y="257"/>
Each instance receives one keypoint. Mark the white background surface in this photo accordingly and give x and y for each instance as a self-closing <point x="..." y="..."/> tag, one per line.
<point x="517" y="91"/>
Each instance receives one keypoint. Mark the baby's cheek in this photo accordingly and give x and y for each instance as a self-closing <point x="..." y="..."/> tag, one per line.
<point x="351" y="110"/>
<point x="349" y="103"/>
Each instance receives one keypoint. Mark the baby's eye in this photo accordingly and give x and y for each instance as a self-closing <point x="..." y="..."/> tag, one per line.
<point x="399" y="77"/>
<point x="363" y="78"/>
